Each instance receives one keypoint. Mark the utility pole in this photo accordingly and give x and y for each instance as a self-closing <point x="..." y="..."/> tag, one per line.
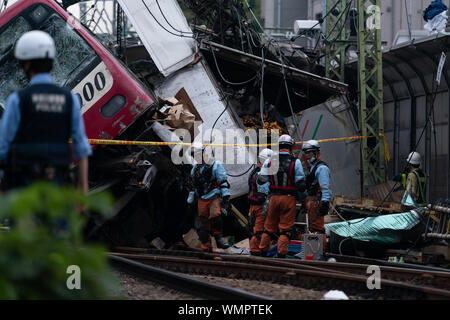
<point x="336" y="39"/>
<point x="370" y="83"/>
<point x="370" y="77"/>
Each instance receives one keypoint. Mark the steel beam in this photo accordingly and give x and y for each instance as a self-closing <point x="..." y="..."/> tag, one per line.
<point x="370" y="83"/>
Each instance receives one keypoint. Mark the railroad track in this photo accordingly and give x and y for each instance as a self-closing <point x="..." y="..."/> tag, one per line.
<point x="396" y="283"/>
<point x="180" y="282"/>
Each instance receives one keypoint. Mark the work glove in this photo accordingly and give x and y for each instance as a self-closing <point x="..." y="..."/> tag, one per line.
<point x="225" y="203"/>
<point x="324" y="208"/>
<point x="191" y="197"/>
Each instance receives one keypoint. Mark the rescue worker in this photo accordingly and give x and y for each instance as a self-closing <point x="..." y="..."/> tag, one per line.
<point x="212" y="189"/>
<point x="257" y="197"/>
<point x="284" y="187"/>
<point x="39" y="121"/>
<point x="318" y="188"/>
<point x="415" y="182"/>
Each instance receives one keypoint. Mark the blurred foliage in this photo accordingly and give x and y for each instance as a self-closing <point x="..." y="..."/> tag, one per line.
<point x="45" y="238"/>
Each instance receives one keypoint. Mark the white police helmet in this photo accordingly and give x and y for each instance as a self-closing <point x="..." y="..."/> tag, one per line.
<point x="35" y="45"/>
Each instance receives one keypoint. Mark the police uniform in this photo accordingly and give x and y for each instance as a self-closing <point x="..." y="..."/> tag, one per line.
<point x="35" y="130"/>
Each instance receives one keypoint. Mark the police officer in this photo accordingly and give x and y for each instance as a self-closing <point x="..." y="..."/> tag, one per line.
<point x="284" y="187"/>
<point x="212" y="189"/>
<point x="39" y="121"/>
<point x="415" y="182"/>
<point x="257" y="197"/>
<point x="318" y="187"/>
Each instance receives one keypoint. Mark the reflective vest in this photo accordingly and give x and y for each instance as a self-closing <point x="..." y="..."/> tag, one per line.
<point x="283" y="182"/>
<point x="255" y="197"/>
<point x="45" y="126"/>
<point x="312" y="184"/>
<point x="422" y="184"/>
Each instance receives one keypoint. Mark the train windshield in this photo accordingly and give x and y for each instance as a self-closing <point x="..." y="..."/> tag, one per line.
<point x="74" y="57"/>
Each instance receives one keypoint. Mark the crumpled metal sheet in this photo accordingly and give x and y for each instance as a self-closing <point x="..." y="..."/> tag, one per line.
<point x="386" y="229"/>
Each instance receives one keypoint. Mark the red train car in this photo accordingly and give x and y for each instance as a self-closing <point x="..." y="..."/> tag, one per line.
<point x="112" y="98"/>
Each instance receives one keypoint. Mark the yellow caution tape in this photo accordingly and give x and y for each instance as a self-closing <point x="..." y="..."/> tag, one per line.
<point x="156" y="143"/>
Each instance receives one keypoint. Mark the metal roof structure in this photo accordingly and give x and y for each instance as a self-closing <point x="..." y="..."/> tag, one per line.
<point x="409" y="73"/>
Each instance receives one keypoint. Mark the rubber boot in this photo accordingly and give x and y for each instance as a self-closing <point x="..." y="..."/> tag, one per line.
<point x="220" y="243"/>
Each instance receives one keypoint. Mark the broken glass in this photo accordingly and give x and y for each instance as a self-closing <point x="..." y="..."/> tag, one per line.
<point x="73" y="54"/>
<point x="11" y="75"/>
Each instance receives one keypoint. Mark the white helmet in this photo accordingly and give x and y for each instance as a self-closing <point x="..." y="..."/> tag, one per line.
<point x="35" y="45"/>
<point x="310" y="145"/>
<point x="414" y="158"/>
<point x="286" y="140"/>
<point x="264" y="155"/>
<point x="197" y="147"/>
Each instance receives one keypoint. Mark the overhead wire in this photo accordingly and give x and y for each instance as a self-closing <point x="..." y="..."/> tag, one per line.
<point x="224" y="79"/>
<point x="164" y="16"/>
<point x="319" y="22"/>
<point x="164" y="28"/>
<point x="261" y="93"/>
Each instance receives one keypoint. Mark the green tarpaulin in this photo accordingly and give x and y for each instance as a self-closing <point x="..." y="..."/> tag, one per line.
<point x="387" y="229"/>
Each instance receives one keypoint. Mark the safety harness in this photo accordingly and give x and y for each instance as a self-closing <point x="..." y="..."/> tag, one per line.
<point x="255" y="197"/>
<point x="205" y="181"/>
<point x="283" y="183"/>
<point x="312" y="184"/>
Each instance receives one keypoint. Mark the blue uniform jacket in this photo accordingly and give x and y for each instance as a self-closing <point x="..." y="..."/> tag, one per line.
<point x="323" y="177"/>
<point x="11" y="120"/>
<point x="264" y="173"/>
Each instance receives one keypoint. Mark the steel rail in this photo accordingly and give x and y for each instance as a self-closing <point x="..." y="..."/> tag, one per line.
<point x="369" y="261"/>
<point x="433" y="277"/>
<point x="299" y="276"/>
<point x="182" y="282"/>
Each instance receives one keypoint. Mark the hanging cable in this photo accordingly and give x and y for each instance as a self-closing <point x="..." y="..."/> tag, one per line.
<point x="87" y="11"/>
<point x="408" y="21"/>
<point x="164" y="16"/>
<point x="178" y="35"/>
<point x="261" y="93"/>
<point x="223" y="78"/>
<point x="319" y="22"/>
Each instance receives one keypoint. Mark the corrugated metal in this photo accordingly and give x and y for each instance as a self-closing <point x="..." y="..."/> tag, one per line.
<point x="409" y="74"/>
<point x="409" y="71"/>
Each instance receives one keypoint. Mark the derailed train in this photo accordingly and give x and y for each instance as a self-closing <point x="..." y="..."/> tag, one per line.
<point x="150" y="190"/>
<point x="115" y="105"/>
